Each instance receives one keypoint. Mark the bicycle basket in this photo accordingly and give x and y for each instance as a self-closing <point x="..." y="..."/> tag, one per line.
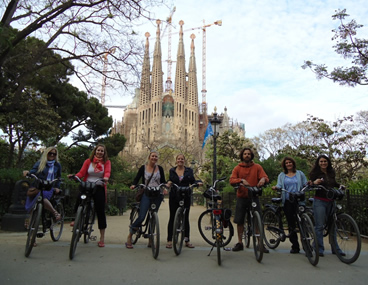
<point x="87" y="186"/>
<point x="211" y="194"/>
<point x="296" y="196"/>
<point x="182" y="192"/>
<point x="152" y="192"/>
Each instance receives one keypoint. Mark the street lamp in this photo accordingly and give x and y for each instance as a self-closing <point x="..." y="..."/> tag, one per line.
<point x="215" y="122"/>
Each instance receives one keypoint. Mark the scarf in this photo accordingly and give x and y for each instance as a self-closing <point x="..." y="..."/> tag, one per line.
<point x="50" y="174"/>
<point x="99" y="162"/>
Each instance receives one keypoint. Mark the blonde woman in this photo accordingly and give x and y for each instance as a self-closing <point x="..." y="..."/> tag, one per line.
<point x="47" y="168"/>
<point x="154" y="174"/>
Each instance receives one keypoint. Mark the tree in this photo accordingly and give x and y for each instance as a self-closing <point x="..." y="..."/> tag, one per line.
<point x="349" y="46"/>
<point x="229" y="145"/>
<point x="48" y="108"/>
<point x="341" y="140"/>
<point x="78" y="30"/>
<point x="114" y="144"/>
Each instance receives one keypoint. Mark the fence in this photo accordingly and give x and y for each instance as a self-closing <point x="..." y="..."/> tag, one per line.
<point x="355" y="203"/>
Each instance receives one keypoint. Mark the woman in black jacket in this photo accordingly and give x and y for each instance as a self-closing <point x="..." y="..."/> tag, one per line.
<point x="181" y="176"/>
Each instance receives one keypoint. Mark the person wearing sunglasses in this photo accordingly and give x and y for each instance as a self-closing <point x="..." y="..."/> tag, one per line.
<point x="47" y="168"/>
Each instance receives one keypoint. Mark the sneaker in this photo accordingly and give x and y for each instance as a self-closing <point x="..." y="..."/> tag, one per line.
<point x="321" y="254"/>
<point x="294" y="251"/>
<point x="265" y="249"/>
<point x="238" y="247"/>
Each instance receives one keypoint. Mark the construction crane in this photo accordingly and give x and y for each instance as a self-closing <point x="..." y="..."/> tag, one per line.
<point x="104" y="70"/>
<point x="169" y="61"/>
<point x="204" y="90"/>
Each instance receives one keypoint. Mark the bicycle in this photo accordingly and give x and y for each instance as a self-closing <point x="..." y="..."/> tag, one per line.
<point x="214" y="223"/>
<point x="150" y="228"/>
<point x="343" y="231"/>
<point x="274" y="228"/>
<point x="182" y="192"/>
<point x="253" y="228"/>
<point x="40" y="215"/>
<point x="85" y="216"/>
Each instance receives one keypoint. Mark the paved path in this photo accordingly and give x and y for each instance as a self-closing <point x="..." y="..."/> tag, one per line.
<point x="49" y="262"/>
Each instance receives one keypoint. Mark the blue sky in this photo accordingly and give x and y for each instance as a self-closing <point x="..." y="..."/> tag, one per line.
<point x="254" y="59"/>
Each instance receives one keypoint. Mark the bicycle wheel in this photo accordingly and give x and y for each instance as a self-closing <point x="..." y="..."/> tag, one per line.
<point x="133" y="216"/>
<point x="89" y="221"/>
<point x="272" y="228"/>
<point x="206" y="227"/>
<point x="179" y="227"/>
<point x="154" y="235"/>
<point x="258" y="237"/>
<point x="347" y="244"/>
<point x="56" y="228"/>
<point x="218" y="231"/>
<point x="309" y="239"/>
<point x="77" y="232"/>
<point x="33" y="228"/>
<point x="247" y="230"/>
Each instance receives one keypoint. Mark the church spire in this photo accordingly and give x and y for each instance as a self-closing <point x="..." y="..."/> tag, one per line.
<point x="192" y="76"/>
<point x="157" y="74"/>
<point x="180" y="76"/>
<point x="145" y="79"/>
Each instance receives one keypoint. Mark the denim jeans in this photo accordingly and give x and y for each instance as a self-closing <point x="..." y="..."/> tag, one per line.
<point x="322" y="210"/>
<point x="143" y="209"/>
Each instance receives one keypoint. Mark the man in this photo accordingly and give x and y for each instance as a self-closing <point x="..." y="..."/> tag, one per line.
<point x="251" y="174"/>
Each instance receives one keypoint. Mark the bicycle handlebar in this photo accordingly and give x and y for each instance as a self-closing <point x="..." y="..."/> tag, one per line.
<point x="43" y="181"/>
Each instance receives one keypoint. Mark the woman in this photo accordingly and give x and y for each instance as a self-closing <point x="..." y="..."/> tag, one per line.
<point x="181" y="176"/>
<point x="322" y="173"/>
<point x="98" y="166"/>
<point x="291" y="180"/>
<point x="151" y="175"/>
<point x="47" y="168"/>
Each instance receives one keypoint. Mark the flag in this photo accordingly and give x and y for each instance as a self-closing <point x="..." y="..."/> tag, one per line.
<point x="209" y="132"/>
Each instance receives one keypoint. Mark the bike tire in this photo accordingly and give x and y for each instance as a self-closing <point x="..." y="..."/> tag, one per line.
<point x="77" y="232"/>
<point x="258" y="236"/>
<point x="133" y="216"/>
<point x="88" y="223"/>
<point x="247" y="233"/>
<point x="178" y="232"/>
<point x="348" y="238"/>
<point x="219" y="231"/>
<point x="206" y="229"/>
<point x="56" y="228"/>
<point x="154" y="235"/>
<point x="33" y="228"/>
<point x="309" y="239"/>
<point x="272" y="226"/>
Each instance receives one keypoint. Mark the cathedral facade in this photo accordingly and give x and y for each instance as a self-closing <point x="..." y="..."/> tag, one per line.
<point x="166" y="118"/>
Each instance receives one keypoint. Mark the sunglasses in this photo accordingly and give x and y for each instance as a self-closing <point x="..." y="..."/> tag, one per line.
<point x="52" y="153"/>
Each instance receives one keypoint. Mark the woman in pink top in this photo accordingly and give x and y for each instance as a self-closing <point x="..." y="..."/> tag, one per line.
<point x="98" y="166"/>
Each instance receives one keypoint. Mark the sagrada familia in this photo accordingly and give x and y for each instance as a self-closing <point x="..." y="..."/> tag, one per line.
<point x="170" y="118"/>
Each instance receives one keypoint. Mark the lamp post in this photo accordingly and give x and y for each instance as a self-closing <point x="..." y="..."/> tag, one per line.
<point x="215" y="122"/>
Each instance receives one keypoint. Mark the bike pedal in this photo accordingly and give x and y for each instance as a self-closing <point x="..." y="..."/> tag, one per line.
<point x="146" y="235"/>
<point x="40" y="235"/>
<point x="93" y="238"/>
